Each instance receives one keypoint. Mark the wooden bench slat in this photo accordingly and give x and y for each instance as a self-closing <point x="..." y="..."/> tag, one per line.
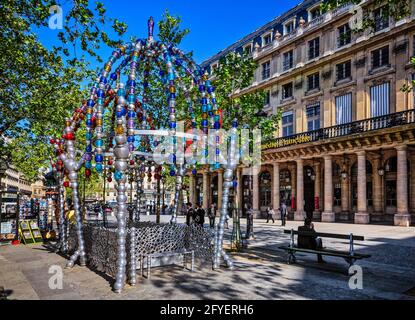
<point x="343" y="254"/>
<point x="325" y="235"/>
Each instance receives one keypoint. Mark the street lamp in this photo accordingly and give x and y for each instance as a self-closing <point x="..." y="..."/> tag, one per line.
<point x="381" y="170"/>
<point x="344" y="172"/>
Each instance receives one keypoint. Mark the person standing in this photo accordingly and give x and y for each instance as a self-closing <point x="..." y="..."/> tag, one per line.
<point x="283" y="213"/>
<point x="212" y="215"/>
<point x="189" y="214"/>
<point x="199" y="216"/>
<point x="270" y="215"/>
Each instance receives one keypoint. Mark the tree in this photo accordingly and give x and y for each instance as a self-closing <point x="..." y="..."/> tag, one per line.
<point x="235" y="73"/>
<point x="40" y="86"/>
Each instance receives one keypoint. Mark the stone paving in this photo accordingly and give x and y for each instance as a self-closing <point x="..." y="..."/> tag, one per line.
<point x="261" y="271"/>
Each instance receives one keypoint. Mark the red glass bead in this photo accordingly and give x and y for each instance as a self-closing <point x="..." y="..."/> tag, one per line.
<point x="87" y="172"/>
<point x="66" y="184"/>
<point x="52" y="141"/>
<point x="132" y="162"/>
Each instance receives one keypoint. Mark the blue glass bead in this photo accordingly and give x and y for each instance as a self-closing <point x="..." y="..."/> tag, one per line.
<point x="118" y="175"/>
<point x="210" y="114"/>
<point x="88" y="148"/>
<point x="216" y="125"/>
<point x="131" y="114"/>
<point x="210" y="89"/>
<point x="170" y="76"/>
<point x="172" y="173"/>
<point x="103" y="80"/>
<point x="131" y="98"/>
<point x="203" y="101"/>
<point x="131" y="83"/>
<point x="204" y="123"/>
<point x="204" y="108"/>
<point x="201" y="88"/>
<point x="217" y="165"/>
<point x="119" y="114"/>
<point x="90" y="103"/>
<point x="100" y="101"/>
<point x="234" y="123"/>
<point x="121" y="92"/>
<point x="89" y="122"/>
<point x="172" y="95"/>
<point x="113" y="76"/>
<point x="214" y="100"/>
<point x="98" y="143"/>
<point x="217" y="118"/>
<point x="172" y="125"/>
<point x="194" y="172"/>
<point x="130" y="139"/>
<point x="98" y="167"/>
<point x="161" y="73"/>
<point x="88" y="165"/>
<point x="235" y="184"/>
<point x="99" y="158"/>
<point x="209" y="107"/>
<point x="88" y="135"/>
<point x="100" y="93"/>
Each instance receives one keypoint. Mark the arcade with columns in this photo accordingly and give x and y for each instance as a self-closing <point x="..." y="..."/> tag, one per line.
<point x="361" y="177"/>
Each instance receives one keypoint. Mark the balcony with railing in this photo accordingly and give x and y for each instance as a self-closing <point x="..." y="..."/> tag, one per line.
<point x="356" y="127"/>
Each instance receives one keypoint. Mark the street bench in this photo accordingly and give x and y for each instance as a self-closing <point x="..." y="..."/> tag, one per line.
<point x="349" y="256"/>
<point x="148" y="256"/>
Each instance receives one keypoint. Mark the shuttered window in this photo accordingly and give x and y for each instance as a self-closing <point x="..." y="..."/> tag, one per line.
<point x="344" y="108"/>
<point x="380" y="99"/>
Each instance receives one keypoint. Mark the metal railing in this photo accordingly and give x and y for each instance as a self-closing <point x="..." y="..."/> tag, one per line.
<point x="361" y="126"/>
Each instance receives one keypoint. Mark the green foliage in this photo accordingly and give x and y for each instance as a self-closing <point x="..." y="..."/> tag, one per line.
<point x="170" y="31"/>
<point x="396" y="9"/>
<point x="39" y="87"/>
<point x="235" y="73"/>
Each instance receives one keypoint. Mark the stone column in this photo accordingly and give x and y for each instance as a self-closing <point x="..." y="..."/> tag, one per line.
<point x="192" y="191"/>
<point x="276" y="186"/>
<point x="206" y="190"/>
<point x="220" y="189"/>
<point x="377" y="188"/>
<point x="345" y="185"/>
<point x="300" y="214"/>
<point x="328" y="214"/>
<point x="255" y="191"/>
<point x="402" y="217"/>
<point x="361" y="216"/>
<point x="317" y="190"/>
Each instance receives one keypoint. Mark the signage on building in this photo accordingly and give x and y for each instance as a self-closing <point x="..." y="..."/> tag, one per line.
<point x="284" y="142"/>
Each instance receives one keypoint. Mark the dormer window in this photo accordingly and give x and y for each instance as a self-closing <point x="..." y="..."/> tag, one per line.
<point x="266" y="40"/>
<point x="289" y="27"/>
<point x="248" y="49"/>
<point x="314" y="13"/>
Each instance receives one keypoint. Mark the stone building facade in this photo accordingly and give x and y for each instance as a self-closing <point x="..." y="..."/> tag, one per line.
<point x="345" y="147"/>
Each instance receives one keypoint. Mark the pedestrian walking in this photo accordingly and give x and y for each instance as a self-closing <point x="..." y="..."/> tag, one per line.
<point x="270" y="215"/>
<point x="283" y="213"/>
<point x="212" y="215"/>
<point x="199" y="216"/>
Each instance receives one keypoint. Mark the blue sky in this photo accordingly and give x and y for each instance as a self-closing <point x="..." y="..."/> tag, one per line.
<point x="213" y="24"/>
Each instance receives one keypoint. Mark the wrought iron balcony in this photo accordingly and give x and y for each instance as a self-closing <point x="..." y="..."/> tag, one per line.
<point x="361" y="126"/>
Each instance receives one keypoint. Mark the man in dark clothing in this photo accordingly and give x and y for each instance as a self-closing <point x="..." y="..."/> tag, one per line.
<point x="270" y="215"/>
<point x="310" y="242"/>
<point x="309" y="209"/>
<point x="189" y="214"/>
<point x="199" y="216"/>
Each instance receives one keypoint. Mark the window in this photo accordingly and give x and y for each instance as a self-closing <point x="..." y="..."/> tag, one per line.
<point x="344" y="70"/>
<point x="344" y="35"/>
<point x="344" y="108"/>
<point x="266" y="40"/>
<point x="248" y="49"/>
<point x="380" y="57"/>
<point x="267" y="98"/>
<point x="313" y="48"/>
<point x="288" y="60"/>
<point x="289" y="27"/>
<point x="313" y="81"/>
<point x="315" y="13"/>
<point x="287" y="90"/>
<point x="287" y="124"/>
<point x="266" y="70"/>
<point x="379" y="99"/>
<point x="313" y="116"/>
<point x="381" y="19"/>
